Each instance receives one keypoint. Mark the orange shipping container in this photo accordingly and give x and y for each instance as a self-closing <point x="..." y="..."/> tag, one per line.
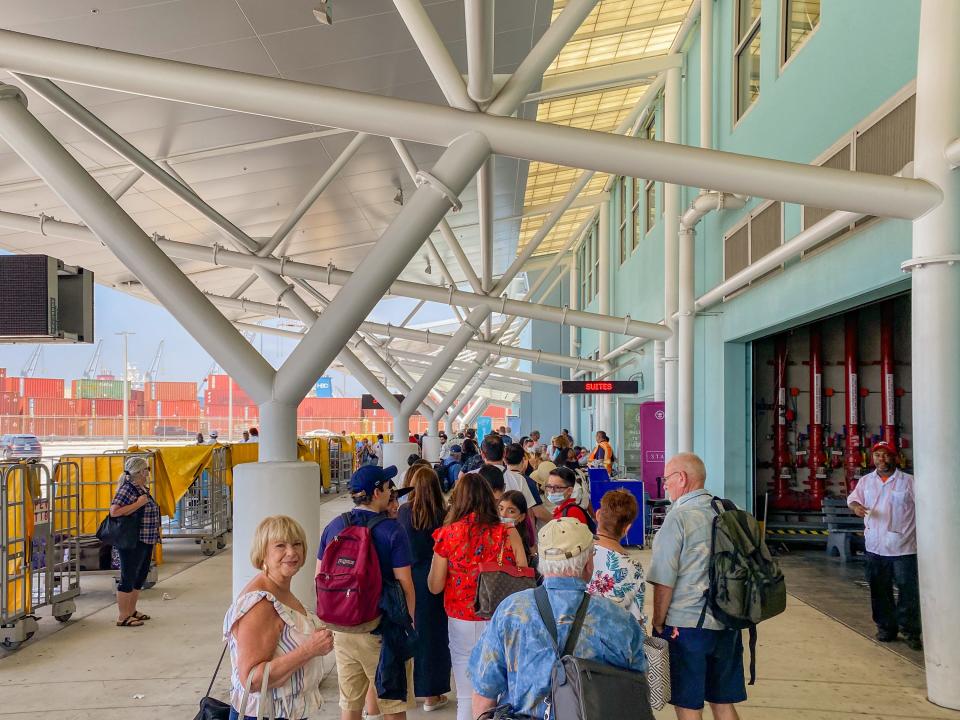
<point x="41" y="387"/>
<point x="171" y="408"/>
<point x="329" y="408"/>
<point x="239" y="411"/>
<point x="172" y="391"/>
<point x="9" y="403"/>
<point x="47" y="407"/>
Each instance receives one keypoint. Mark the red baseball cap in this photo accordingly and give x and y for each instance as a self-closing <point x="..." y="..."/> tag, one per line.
<point x="883" y="445"/>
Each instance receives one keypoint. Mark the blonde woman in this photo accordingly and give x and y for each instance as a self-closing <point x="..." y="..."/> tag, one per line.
<point x="267" y="624"/>
<point x="134" y="499"/>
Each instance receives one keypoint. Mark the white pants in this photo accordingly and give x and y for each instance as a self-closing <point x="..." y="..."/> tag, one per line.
<point x="464" y="635"/>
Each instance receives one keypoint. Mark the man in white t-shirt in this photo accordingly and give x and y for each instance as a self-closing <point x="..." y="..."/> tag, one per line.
<point x="491" y="450"/>
<point x="885" y="499"/>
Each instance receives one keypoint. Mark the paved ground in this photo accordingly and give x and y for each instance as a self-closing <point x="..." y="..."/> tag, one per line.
<point x="810" y="666"/>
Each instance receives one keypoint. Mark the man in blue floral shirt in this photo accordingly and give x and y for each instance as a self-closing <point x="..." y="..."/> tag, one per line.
<point x="512" y="661"/>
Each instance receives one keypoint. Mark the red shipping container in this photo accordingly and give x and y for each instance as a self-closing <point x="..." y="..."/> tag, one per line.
<point x="41" y="387"/>
<point x="171" y="408"/>
<point x="3" y="372"/>
<point x="137" y="396"/>
<point x="329" y="408"/>
<point x="9" y="403"/>
<point x="47" y="407"/>
<point x="173" y="391"/>
<point x="240" y="412"/>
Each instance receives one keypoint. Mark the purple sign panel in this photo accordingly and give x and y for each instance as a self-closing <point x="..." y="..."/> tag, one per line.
<point x="651" y="446"/>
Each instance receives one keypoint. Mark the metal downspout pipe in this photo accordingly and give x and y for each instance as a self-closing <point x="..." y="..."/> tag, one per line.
<point x="671" y="220"/>
<point x="604" y="402"/>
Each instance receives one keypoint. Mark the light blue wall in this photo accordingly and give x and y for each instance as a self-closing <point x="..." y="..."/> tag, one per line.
<point x="862" y="54"/>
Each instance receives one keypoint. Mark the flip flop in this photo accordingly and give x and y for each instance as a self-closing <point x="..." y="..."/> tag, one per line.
<point x="140" y="616"/>
<point x="130" y="621"/>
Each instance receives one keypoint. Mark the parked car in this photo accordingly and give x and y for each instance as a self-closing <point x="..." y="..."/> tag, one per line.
<point x="20" y="446"/>
<point x="320" y="433"/>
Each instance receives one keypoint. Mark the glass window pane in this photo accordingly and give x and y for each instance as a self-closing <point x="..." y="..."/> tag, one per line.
<point x="802" y="17"/>
<point x="749" y="10"/>
<point x="748" y="75"/>
<point x="651" y="201"/>
<point x="650" y="132"/>
<point x="635" y="207"/>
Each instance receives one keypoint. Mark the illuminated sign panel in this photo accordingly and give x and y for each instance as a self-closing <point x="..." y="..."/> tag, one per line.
<point x="599" y="387"/>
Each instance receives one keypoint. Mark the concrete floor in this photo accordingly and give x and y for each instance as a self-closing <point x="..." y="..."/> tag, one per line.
<point x="809" y="666"/>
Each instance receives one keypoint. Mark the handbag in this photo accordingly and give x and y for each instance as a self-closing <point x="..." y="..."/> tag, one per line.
<point x="497" y="581"/>
<point x="264" y="688"/>
<point x="121" y="532"/>
<point x="657" y="652"/>
<point x="211" y="708"/>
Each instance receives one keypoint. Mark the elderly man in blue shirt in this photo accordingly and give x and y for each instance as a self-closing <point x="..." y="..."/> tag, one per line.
<point x="511" y="663"/>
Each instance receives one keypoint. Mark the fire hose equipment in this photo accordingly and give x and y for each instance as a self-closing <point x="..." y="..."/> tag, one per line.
<point x="816" y="459"/>
<point x="781" y="450"/>
<point x="888" y="423"/>
<point x="852" y="455"/>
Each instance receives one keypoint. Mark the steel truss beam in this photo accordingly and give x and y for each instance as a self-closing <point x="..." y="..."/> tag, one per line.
<point x="421" y="122"/>
<point x="603" y="78"/>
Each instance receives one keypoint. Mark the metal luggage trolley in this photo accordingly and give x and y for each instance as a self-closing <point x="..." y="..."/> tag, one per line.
<point x="39" y="535"/>
<point x="203" y="513"/>
<point x="341" y="465"/>
<point x="97" y="483"/>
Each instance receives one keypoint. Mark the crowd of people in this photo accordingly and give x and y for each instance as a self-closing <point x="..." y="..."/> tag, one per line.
<point x="488" y="501"/>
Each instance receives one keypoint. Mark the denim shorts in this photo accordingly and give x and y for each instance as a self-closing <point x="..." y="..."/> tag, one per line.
<point x="705" y="666"/>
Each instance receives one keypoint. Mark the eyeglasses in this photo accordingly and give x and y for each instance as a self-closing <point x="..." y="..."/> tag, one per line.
<point x="667" y="477"/>
<point x="555" y="488"/>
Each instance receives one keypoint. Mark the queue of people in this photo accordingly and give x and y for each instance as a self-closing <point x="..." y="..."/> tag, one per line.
<point x="513" y="506"/>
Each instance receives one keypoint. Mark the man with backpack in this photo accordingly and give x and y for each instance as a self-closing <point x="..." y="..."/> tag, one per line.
<point x="364" y="558"/>
<point x="517" y="661"/>
<point x="560" y="487"/>
<point x="706" y="649"/>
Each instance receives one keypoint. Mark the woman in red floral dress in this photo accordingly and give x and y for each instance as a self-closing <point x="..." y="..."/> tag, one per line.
<point x="472" y="534"/>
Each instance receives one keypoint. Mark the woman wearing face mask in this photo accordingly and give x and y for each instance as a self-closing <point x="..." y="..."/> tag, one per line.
<point x="513" y="512"/>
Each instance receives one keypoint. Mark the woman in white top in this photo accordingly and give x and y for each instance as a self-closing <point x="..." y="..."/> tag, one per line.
<point x="267" y="624"/>
<point x="616" y="575"/>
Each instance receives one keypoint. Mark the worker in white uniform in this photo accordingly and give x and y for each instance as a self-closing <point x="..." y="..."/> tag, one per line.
<point x="885" y="500"/>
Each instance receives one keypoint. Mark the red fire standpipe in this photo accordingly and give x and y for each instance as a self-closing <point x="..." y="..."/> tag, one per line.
<point x="781" y="451"/>
<point x="888" y="423"/>
<point x="852" y="451"/>
<point x="815" y="455"/>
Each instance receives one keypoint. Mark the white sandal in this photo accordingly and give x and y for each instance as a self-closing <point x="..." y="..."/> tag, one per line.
<point x="436" y="706"/>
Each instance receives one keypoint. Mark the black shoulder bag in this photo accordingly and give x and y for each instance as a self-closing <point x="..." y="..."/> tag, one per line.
<point x="211" y="708"/>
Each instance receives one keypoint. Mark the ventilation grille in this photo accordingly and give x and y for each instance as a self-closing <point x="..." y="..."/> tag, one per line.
<point x="766" y="231"/>
<point x="736" y="252"/>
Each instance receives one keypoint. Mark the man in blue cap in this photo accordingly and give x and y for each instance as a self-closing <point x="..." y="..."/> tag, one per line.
<point x="357" y="648"/>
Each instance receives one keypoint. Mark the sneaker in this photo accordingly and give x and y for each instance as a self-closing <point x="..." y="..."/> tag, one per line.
<point x="437" y="705"/>
<point x="885" y="637"/>
<point x="914" y="642"/>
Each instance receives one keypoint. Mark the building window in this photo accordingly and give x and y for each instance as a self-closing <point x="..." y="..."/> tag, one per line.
<point x="588" y="261"/>
<point x="746" y="59"/>
<point x="623" y="218"/>
<point x="650" y="195"/>
<point x="800" y="18"/>
<point x="595" y="285"/>
<point x="636" y="213"/>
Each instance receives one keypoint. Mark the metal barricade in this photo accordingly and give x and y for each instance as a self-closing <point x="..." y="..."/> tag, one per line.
<point x="341" y="464"/>
<point x="97" y="484"/>
<point x="203" y="513"/>
<point x="39" y="533"/>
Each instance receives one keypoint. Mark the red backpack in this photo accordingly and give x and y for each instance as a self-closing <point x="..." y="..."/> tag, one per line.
<point x="349" y="582"/>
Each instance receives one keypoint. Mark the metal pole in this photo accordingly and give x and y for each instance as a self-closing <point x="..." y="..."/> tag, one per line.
<point x="302" y="102"/>
<point x="479" y="21"/>
<point x="603" y="291"/>
<point x="485" y="206"/>
<point x="230" y="409"/>
<point x="574" y="301"/>
<point x="706" y="74"/>
<point x="128" y="181"/>
<point x="936" y="346"/>
<point x="671" y="226"/>
<point x="126" y="390"/>
<point x="132" y="247"/>
<point x="685" y="340"/>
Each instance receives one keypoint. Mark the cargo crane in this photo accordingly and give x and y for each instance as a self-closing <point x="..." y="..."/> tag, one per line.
<point x="153" y="372"/>
<point x="31" y="367"/>
<point x="90" y="371"/>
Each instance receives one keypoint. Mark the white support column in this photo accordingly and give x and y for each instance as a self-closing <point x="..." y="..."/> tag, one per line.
<point x="479" y="21"/>
<point x="478" y="407"/>
<point x="485" y="204"/>
<point x="936" y="347"/>
<point x="574" y="301"/>
<point x="659" y="382"/>
<point x="671" y="227"/>
<point x="706" y="74"/>
<point x="603" y="292"/>
<point x="685" y="330"/>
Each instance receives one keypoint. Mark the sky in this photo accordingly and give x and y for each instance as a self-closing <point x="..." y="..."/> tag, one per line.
<point x="183" y="359"/>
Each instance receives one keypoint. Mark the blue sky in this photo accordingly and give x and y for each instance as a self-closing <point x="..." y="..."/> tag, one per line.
<point x="183" y="358"/>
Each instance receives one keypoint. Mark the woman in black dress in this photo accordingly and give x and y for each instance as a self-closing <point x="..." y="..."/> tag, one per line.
<point x="422" y="514"/>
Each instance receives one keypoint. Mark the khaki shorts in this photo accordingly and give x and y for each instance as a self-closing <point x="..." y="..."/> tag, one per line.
<point x="358" y="655"/>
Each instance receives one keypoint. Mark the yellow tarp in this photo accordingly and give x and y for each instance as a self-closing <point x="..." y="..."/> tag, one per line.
<point x="175" y="469"/>
<point x="99" y="476"/>
<point x="19" y="534"/>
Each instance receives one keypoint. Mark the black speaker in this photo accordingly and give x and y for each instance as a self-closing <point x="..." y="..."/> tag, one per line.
<point x="44" y="301"/>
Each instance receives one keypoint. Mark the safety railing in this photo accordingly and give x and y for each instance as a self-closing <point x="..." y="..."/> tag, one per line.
<point x="39" y="550"/>
<point x="204" y="511"/>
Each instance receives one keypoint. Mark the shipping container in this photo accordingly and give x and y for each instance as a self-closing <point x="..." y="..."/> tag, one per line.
<point x="174" y="391"/>
<point x="137" y="396"/>
<point x="97" y="389"/>
<point x="240" y="412"/>
<point x="171" y="408"/>
<point x="9" y="403"/>
<point x="3" y="372"/>
<point x="329" y="408"/>
<point x="47" y="407"/>
<point x="34" y="387"/>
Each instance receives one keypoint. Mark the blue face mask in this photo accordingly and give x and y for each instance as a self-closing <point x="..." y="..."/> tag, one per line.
<point x="556" y="498"/>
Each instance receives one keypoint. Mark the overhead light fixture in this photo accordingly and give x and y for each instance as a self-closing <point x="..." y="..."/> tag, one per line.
<point x="398" y="198"/>
<point x="324" y="12"/>
<point x="427" y="269"/>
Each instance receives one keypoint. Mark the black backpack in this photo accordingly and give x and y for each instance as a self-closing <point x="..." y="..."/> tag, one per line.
<point x="746" y="584"/>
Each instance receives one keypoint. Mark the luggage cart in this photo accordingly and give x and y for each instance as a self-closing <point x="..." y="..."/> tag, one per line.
<point x="97" y="484"/>
<point x="341" y="465"/>
<point x="39" y="532"/>
<point x="204" y="510"/>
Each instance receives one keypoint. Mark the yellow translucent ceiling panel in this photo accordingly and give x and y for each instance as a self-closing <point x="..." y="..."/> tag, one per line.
<point x="615" y="31"/>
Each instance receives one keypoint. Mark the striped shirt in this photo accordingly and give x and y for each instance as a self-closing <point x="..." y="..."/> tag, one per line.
<point x="299" y="696"/>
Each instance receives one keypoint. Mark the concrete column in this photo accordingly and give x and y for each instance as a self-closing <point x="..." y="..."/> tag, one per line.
<point x="278" y="432"/>
<point x="685" y="343"/>
<point x="431" y="448"/>
<point x="603" y="291"/>
<point x="936" y="347"/>
<point x="671" y="228"/>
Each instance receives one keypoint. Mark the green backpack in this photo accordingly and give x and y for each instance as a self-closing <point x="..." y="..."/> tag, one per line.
<point x="746" y="584"/>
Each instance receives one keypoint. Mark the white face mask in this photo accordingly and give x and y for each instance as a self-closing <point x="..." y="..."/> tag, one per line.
<point x="508" y="521"/>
